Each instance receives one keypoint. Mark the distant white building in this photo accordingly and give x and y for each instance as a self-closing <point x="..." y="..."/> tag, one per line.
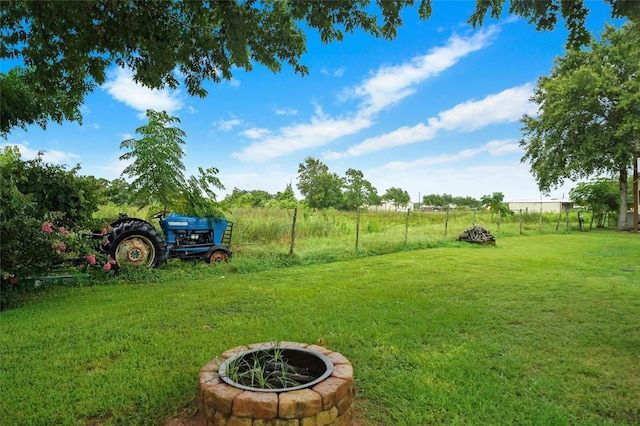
<point x="537" y="206"/>
<point x="390" y="207"/>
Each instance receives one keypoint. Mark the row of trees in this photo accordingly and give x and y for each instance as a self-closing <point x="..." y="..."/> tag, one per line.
<point x="324" y="189"/>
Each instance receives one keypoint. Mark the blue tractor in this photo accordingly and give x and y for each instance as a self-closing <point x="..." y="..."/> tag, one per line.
<point x="135" y="242"/>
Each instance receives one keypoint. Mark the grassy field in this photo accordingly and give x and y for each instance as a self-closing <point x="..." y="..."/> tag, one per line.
<point x="542" y="329"/>
<point x="260" y="233"/>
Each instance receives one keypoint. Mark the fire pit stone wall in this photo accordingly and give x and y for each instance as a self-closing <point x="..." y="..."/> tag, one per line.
<point x="328" y="403"/>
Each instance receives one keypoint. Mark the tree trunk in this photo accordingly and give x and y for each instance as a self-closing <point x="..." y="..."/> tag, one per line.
<point x="622" y="212"/>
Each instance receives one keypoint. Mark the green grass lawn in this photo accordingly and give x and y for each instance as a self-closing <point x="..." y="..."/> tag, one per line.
<point x="540" y="329"/>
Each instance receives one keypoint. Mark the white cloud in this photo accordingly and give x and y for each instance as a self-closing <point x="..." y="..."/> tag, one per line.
<point x="494" y="148"/>
<point x="339" y="72"/>
<point x="286" y="111"/>
<point x="504" y="107"/>
<point x="49" y="156"/>
<point x="503" y="147"/>
<point x="113" y="169"/>
<point x="294" y="138"/>
<point x="390" y="84"/>
<point x="255" y="133"/>
<point x="383" y="88"/>
<point x="227" y="125"/>
<point x="402" y="136"/>
<point x="122" y="88"/>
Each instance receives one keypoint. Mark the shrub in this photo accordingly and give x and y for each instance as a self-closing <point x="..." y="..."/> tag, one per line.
<point x="43" y="209"/>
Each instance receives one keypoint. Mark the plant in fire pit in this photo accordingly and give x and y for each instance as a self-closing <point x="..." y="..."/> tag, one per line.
<point x="274" y="368"/>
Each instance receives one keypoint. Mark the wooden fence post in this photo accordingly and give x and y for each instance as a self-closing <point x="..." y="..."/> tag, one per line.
<point x="293" y="230"/>
<point x="540" y="226"/>
<point x="357" y="228"/>
<point x="406" y="227"/>
<point x="446" y="222"/>
<point x="521" y="221"/>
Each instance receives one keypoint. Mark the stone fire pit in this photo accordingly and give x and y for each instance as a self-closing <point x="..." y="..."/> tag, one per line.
<point x="326" y="401"/>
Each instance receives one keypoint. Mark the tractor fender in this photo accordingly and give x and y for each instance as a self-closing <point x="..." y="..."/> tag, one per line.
<point x="118" y="221"/>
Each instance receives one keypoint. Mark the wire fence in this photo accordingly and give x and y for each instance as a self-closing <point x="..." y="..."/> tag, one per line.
<point x="300" y="231"/>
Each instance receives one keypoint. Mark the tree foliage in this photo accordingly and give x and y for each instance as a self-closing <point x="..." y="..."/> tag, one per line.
<point x="545" y="14"/>
<point x="472" y="203"/>
<point x="286" y="198"/>
<point x="198" y="197"/>
<point x="398" y="196"/>
<point x="589" y="114"/>
<point x="358" y="192"/>
<point x="116" y="191"/>
<point x="321" y="188"/>
<point x="258" y="198"/>
<point x="40" y="205"/>
<point x="39" y="189"/>
<point x="495" y="203"/>
<point x="437" y="200"/>
<point x="65" y="48"/>
<point x="444" y="200"/>
<point x="22" y="105"/>
<point x="598" y="195"/>
<point x="157" y="170"/>
<point x="247" y="198"/>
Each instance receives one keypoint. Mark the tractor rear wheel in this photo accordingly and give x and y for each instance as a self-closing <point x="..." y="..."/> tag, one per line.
<point x="218" y="256"/>
<point x="136" y="243"/>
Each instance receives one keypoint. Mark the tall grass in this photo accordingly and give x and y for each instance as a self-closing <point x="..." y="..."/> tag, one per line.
<point x="329" y="234"/>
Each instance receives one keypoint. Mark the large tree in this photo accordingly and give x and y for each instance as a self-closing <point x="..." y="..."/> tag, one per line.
<point x="358" y="191"/>
<point x="157" y="170"/>
<point x="321" y="188"/>
<point x="589" y="114"/>
<point x="156" y="161"/>
<point x="397" y="196"/>
<point x="64" y="48"/>
<point x="437" y="200"/>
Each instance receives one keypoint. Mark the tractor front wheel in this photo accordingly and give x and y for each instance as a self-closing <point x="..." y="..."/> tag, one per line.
<point x="136" y="243"/>
<point x="218" y="256"/>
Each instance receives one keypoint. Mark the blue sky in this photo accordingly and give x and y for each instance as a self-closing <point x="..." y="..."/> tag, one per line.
<point x="434" y="111"/>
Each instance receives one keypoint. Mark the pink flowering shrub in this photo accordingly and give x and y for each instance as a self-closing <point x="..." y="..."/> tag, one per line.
<point x="107" y="266"/>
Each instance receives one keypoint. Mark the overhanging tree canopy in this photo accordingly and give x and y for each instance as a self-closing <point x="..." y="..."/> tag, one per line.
<point x="589" y="116"/>
<point x="66" y="47"/>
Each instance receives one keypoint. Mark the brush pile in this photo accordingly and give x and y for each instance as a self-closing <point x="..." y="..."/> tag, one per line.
<point x="477" y="235"/>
